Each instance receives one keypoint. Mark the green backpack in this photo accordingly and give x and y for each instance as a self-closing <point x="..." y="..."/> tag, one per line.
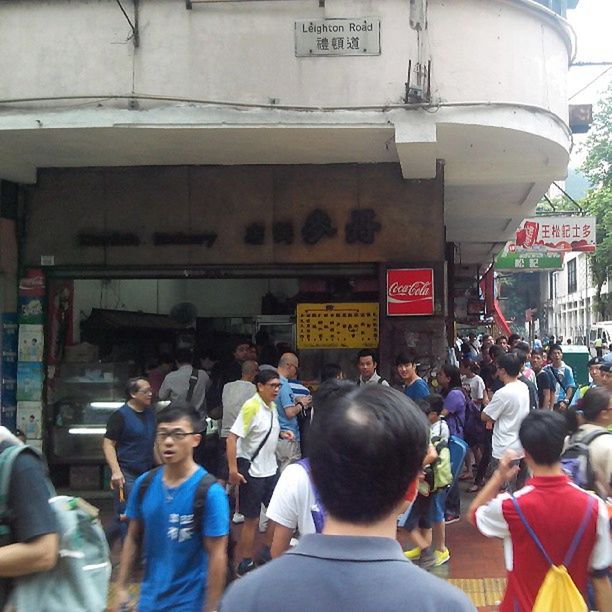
<point x="439" y="475"/>
<point x="79" y="580"/>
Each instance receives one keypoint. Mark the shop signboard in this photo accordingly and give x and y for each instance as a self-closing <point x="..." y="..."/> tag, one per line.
<point x="341" y="325"/>
<point x="333" y="37"/>
<point x="561" y="234"/>
<point x="410" y="292"/>
<point x="511" y="259"/>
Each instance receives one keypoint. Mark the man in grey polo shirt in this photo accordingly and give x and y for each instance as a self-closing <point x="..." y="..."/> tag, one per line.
<point x="372" y="435"/>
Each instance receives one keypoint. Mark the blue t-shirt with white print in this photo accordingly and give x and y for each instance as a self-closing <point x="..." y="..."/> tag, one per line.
<point x="176" y="563"/>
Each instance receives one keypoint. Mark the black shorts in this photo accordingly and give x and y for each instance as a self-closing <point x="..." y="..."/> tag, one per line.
<point x="255" y="492"/>
<point x="419" y="514"/>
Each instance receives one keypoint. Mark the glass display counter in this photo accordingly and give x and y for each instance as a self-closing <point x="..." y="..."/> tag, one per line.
<point x="84" y="397"/>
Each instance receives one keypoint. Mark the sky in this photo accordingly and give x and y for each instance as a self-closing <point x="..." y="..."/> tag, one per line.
<point x="592" y="21"/>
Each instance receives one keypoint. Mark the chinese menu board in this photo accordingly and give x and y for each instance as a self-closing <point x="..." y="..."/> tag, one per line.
<point x="347" y="325"/>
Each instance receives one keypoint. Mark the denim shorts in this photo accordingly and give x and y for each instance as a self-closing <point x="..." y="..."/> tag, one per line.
<point x="438" y="503"/>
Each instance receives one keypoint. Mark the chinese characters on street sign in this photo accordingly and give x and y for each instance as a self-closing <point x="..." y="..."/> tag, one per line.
<point x="410" y="292"/>
<point x="350" y="325"/>
<point x="511" y="259"/>
<point x="360" y="36"/>
<point x="563" y="234"/>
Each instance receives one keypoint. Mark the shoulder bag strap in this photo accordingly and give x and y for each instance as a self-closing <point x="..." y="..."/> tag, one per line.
<point x="193" y="379"/>
<point x="578" y="536"/>
<point x="146" y="483"/>
<point x="7" y="458"/>
<point x="199" y="500"/>
<point x="263" y="442"/>
<point x="530" y="531"/>
<point x="556" y="377"/>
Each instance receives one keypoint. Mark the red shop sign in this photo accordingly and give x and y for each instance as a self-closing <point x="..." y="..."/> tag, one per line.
<point x="410" y="292"/>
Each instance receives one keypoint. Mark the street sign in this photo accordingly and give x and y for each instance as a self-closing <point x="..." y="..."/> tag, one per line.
<point x="561" y="234"/>
<point x="511" y="259"/>
<point x="329" y="37"/>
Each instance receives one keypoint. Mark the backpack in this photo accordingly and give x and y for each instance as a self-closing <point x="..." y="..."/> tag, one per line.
<point x="438" y="475"/>
<point x="558" y="593"/>
<point x="576" y="460"/>
<point x="317" y="511"/>
<point x="79" y="580"/>
<point x="474" y="429"/>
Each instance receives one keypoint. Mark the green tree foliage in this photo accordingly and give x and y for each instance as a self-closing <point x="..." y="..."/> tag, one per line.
<point x="598" y="202"/>
<point x="597" y="167"/>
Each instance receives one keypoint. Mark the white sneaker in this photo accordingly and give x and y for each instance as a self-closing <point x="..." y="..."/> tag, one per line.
<point x="237" y="518"/>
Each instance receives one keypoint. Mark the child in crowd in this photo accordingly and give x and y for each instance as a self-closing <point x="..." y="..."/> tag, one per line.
<point x="425" y="522"/>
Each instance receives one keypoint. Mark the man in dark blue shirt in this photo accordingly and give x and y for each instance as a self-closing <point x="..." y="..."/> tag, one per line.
<point x="129" y="448"/>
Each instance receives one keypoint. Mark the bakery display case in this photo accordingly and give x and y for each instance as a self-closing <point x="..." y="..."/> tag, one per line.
<point x="84" y="397"/>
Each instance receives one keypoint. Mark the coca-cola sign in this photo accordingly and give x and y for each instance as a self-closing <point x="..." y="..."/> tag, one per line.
<point x="410" y="292"/>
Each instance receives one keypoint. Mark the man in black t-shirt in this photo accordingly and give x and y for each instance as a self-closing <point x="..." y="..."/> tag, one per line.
<point x="33" y="542"/>
<point x="546" y="384"/>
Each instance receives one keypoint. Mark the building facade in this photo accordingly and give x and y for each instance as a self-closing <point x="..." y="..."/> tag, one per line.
<point x="310" y="145"/>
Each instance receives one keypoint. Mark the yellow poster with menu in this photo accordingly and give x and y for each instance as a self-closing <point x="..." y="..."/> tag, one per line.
<point x="343" y="325"/>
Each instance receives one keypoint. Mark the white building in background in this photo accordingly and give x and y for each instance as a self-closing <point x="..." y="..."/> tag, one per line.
<point x="569" y="299"/>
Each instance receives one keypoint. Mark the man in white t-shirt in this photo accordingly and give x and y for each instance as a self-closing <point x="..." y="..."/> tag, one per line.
<point x="253" y="437"/>
<point x="507" y="409"/>
<point x="294" y="502"/>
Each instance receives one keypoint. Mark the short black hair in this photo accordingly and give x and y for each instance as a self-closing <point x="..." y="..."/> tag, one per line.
<point x="521" y="355"/>
<point x="496" y="351"/>
<point x="542" y="434"/>
<point x="500" y="338"/>
<point x="595" y="401"/>
<point x="406" y="357"/>
<point x="434" y="402"/>
<point x="554" y="347"/>
<point x="512" y="338"/>
<point x="330" y="371"/>
<point x="510" y="362"/>
<point x="537" y="351"/>
<point x="265" y="376"/>
<point x="132" y="387"/>
<point x="177" y="410"/>
<point x="184" y="355"/>
<point x="367" y="353"/>
<point x="329" y="392"/>
<point x="521" y="345"/>
<point x="365" y="451"/>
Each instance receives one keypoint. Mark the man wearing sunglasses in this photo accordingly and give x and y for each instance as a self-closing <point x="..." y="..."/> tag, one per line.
<point x="185" y="562"/>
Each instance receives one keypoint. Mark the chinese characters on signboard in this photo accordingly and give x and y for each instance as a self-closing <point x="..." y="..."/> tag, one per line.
<point x="563" y="234"/>
<point x="321" y="37"/>
<point x="410" y="292"/>
<point x="511" y="259"/>
<point x="350" y="325"/>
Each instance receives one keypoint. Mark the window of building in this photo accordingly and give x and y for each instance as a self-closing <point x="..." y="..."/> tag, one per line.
<point x="572" y="284"/>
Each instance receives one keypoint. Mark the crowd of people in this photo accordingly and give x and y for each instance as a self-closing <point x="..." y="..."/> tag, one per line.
<point x="334" y="476"/>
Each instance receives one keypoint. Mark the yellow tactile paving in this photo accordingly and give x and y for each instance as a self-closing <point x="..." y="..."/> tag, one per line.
<point x="482" y="591"/>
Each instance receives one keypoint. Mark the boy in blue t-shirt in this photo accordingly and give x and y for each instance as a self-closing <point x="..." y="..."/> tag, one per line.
<point x="185" y="563"/>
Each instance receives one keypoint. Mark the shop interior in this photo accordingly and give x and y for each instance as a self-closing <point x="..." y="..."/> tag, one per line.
<point x="120" y="327"/>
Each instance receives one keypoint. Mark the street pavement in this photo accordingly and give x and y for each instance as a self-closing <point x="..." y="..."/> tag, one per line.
<point x="476" y="564"/>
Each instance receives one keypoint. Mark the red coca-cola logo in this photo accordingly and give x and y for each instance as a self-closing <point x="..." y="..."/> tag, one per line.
<point x="410" y="292"/>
